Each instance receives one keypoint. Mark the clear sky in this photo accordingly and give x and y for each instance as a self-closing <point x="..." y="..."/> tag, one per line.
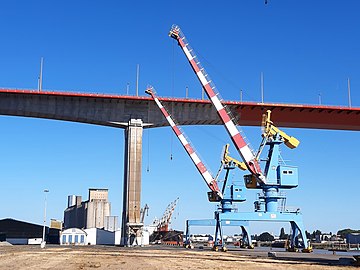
<point x="304" y="48"/>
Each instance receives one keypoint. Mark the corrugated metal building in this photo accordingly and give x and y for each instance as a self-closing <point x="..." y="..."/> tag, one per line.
<point x="19" y="232"/>
<point x="353" y="238"/>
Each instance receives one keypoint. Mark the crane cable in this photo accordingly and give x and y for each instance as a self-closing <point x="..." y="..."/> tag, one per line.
<point x="148" y="151"/>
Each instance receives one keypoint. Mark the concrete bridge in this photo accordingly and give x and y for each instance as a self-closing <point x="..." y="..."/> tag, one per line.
<point x="133" y="113"/>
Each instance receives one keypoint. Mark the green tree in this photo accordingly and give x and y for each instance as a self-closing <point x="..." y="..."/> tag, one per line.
<point x="283" y="235"/>
<point x="265" y="236"/>
<point x="344" y="232"/>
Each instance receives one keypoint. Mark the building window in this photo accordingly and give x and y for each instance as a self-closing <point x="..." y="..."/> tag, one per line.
<point x="76" y="239"/>
<point x="70" y="239"/>
<point x="82" y="239"/>
<point x="64" y="239"/>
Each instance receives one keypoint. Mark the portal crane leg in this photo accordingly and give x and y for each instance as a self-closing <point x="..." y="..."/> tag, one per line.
<point x="187" y="242"/>
<point x="246" y="240"/>
<point x="298" y="230"/>
<point x="293" y="237"/>
<point x="219" y="240"/>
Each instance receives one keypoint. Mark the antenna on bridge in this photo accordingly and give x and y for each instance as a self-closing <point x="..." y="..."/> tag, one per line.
<point x="262" y="86"/>
<point x="137" y="79"/>
<point x="349" y="96"/>
<point x="40" y="75"/>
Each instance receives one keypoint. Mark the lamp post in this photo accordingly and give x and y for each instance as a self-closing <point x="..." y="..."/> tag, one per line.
<point x="43" y="242"/>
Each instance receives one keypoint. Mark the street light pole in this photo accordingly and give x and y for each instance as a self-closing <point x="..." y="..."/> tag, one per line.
<point x="43" y="242"/>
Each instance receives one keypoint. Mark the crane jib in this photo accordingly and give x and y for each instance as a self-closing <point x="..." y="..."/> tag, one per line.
<point x="243" y="148"/>
<point x="210" y="181"/>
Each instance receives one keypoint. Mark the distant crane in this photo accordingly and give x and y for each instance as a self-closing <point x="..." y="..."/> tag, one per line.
<point x="165" y="220"/>
<point x="144" y="211"/>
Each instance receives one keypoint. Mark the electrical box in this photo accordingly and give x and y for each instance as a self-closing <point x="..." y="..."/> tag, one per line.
<point x="238" y="193"/>
<point x="250" y="181"/>
<point x="213" y="197"/>
<point x="288" y="176"/>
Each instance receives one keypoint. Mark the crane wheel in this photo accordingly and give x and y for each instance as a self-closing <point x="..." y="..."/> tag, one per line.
<point x="224" y="249"/>
<point x="292" y="249"/>
<point x="215" y="248"/>
<point x="307" y="250"/>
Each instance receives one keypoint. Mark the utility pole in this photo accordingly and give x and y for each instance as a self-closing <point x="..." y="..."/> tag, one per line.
<point x="186" y="92"/>
<point x="127" y="88"/>
<point x="43" y="242"/>
<point x="241" y="95"/>
<point x="319" y="98"/>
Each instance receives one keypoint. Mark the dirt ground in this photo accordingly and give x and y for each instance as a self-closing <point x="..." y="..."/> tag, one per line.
<point x="58" y="257"/>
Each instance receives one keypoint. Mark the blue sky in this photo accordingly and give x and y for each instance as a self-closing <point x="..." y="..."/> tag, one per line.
<point x="304" y="48"/>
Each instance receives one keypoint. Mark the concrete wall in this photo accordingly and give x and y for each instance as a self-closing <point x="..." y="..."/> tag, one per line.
<point x="96" y="212"/>
<point x="132" y="180"/>
<point x="17" y="241"/>
<point x="99" y="237"/>
<point x="144" y="240"/>
<point x="111" y="223"/>
<point x="34" y="241"/>
<point x="74" y="217"/>
<point x="88" y="214"/>
<point x="98" y="194"/>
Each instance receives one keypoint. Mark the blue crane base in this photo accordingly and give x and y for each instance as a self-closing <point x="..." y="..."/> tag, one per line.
<point x="242" y="220"/>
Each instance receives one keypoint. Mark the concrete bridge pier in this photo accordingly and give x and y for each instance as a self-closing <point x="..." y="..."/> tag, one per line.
<point x="131" y="226"/>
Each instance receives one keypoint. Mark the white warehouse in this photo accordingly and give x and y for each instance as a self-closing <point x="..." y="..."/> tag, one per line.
<point x="93" y="236"/>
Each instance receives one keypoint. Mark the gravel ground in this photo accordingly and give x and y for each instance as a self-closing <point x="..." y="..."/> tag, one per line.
<point x="157" y="257"/>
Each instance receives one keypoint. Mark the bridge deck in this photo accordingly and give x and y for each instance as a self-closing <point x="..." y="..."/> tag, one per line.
<point x="113" y="110"/>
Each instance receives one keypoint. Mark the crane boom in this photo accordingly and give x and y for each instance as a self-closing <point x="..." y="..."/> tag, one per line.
<point x="206" y="175"/>
<point x="242" y="147"/>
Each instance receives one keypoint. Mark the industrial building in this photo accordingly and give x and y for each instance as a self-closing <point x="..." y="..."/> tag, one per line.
<point x="89" y="222"/>
<point x="18" y="232"/>
<point x="93" y="236"/>
<point x="93" y="213"/>
<point x="353" y="238"/>
<point x="73" y="236"/>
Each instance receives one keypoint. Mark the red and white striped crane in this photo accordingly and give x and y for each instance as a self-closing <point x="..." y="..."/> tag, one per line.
<point x="206" y="175"/>
<point x="165" y="220"/>
<point x="243" y="148"/>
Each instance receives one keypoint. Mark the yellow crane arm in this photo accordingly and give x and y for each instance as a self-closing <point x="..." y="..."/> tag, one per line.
<point x="227" y="159"/>
<point x="271" y="130"/>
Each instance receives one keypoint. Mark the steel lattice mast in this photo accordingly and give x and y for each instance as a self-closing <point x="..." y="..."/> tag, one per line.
<point x="243" y="148"/>
<point x="206" y="175"/>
